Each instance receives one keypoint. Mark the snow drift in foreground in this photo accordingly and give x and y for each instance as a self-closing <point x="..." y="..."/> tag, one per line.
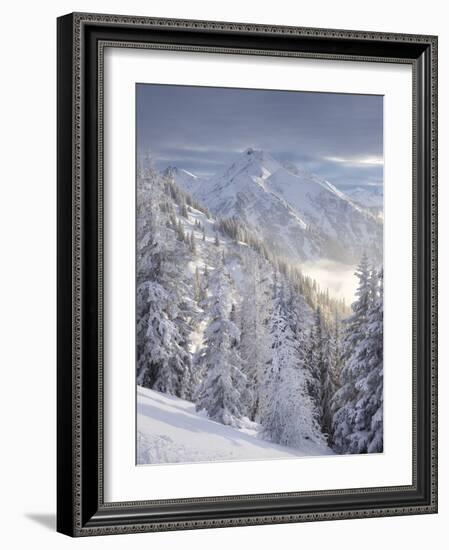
<point x="170" y="431"/>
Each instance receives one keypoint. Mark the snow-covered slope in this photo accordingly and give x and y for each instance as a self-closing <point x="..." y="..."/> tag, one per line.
<point x="170" y="431"/>
<point x="345" y="228"/>
<point x="371" y="195"/>
<point x="184" y="179"/>
<point x="299" y="215"/>
<point x="210" y="298"/>
<point x="223" y="323"/>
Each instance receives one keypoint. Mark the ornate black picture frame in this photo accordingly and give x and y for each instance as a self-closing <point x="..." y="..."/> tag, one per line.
<point x="81" y="509"/>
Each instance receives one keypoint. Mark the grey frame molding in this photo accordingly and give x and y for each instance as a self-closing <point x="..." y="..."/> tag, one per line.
<point x="81" y="42"/>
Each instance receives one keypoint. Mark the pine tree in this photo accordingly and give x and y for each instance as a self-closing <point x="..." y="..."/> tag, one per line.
<point x="315" y="358"/>
<point x="180" y="231"/>
<point x="192" y="245"/>
<point x="163" y="313"/>
<point x="322" y="387"/>
<point x="165" y="363"/>
<point x="372" y="382"/>
<point x="290" y="418"/>
<point x="335" y="366"/>
<point x="254" y="345"/>
<point x="223" y="390"/>
<point x="197" y="287"/>
<point x="358" y="420"/>
<point x="183" y="210"/>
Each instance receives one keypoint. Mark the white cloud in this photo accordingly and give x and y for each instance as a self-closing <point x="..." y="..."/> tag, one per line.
<point x="357" y="161"/>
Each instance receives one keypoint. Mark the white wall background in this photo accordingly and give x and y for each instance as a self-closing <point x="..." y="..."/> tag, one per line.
<point x="27" y="289"/>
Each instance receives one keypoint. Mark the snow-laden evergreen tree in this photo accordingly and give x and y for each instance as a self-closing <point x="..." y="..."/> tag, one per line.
<point x="290" y="417"/>
<point x="334" y="352"/>
<point x="358" y="420"/>
<point x="372" y="383"/>
<point x="222" y="393"/>
<point x="163" y="359"/>
<point x="163" y="310"/>
<point x="192" y="245"/>
<point x="198" y="286"/>
<point x="255" y="342"/>
<point x="183" y="210"/>
<point x="315" y="360"/>
<point x="322" y="387"/>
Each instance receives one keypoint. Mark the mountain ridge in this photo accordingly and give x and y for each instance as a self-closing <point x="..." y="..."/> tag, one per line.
<point x="302" y="216"/>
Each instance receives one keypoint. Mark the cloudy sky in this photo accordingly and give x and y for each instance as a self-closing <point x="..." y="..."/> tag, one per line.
<point x="336" y="136"/>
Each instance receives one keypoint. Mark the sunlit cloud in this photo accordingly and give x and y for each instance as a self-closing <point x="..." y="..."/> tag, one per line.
<point x="357" y="161"/>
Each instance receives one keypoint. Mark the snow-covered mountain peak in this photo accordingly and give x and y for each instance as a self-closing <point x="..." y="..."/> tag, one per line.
<point x="255" y="153"/>
<point x="300" y="215"/>
<point x="253" y="163"/>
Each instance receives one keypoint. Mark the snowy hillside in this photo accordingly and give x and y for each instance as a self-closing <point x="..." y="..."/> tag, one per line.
<point x="251" y="346"/>
<point x="170" y="431"/>
<point x="299" y="215"/>
<point x="370" y="197"/>
<point x="186" y="180"/>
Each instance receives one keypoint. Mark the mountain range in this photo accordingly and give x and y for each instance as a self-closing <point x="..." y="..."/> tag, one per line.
<point x="299" y="215"/>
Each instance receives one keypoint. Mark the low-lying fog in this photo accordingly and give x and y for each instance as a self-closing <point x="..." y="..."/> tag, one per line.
<point x="339" y="278"/>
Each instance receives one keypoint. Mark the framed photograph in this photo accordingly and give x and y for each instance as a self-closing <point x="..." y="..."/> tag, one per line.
<point x="247" y="279"/>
